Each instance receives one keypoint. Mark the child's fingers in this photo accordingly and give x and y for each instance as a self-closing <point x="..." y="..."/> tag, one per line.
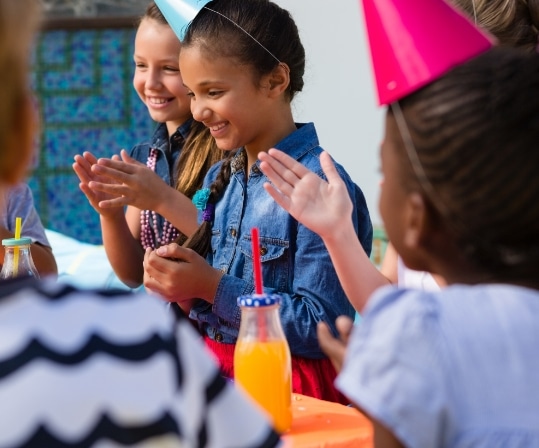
<point x="89" y="157"/>
<point x="288" y="162"/>
<point x="330" y="345"/>
<point x="329" y="168"/>
<point x="81" y="172"/>
<point x="118" y="175"/>
<point x="344" y="326"/>
<point x="128" y="159"/>
<point x="282" y="200"/>
<point x="285" y="173"/>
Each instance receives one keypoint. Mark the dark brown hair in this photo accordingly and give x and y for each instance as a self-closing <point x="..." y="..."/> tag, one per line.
<point x="257" y="34"/>
<point x="475" y="132"/>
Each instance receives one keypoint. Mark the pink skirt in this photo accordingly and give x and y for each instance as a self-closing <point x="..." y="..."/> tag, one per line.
<point x="311" y="377"/>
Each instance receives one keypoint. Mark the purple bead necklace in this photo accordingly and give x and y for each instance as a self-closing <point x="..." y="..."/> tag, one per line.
<point x="149" y="233"/>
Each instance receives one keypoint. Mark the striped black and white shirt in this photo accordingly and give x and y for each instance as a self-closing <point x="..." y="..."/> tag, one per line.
<point x="107" y="368"/>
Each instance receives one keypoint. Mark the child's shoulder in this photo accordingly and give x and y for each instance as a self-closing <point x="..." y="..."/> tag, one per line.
<point x="470" y="307"/>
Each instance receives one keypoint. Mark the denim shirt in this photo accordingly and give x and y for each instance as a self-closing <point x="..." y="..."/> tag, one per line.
<point x="295" y="261"/>
<point x="169" y="150"/>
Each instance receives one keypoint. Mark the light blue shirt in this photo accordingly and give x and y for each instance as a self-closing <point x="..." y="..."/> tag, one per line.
<point x="455" y="368"/>
<point x="295" y="261"/>
<point x="18" y="201"/>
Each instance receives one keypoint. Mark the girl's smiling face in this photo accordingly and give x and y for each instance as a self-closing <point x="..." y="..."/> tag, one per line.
<point x="157" y="78"/>
<point x="227" y="98"/>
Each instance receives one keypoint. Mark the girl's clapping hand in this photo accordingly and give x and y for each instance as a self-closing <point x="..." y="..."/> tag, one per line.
<point x="179" y="274"/>
<point x="83" y="168"/>
<point x="128" y="182"/>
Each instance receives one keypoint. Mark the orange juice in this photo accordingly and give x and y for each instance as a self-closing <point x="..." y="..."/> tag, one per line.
<point x="263" y="369"/>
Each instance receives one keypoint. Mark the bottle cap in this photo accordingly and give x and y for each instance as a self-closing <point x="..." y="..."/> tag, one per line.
<point x="259" y="300"/>
<point x="16" y="241"/>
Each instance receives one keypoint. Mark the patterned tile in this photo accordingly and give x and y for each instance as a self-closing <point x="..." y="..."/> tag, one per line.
<point x="83" y="83"/>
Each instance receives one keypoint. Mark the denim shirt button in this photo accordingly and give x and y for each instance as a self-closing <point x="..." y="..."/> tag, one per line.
<point x="256" y="170"/>
<point x="219" y="337"/>
<point x="233" y="232"/>
<point x="263" y="251"/>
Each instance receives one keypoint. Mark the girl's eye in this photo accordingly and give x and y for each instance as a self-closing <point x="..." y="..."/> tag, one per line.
<point x="172" y="69"/>
<point x="215" y="92"/>
<point x="190" y="94"/>
<point x="139" y="65"/>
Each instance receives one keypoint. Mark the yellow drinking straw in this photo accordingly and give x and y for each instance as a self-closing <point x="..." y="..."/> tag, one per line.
<point x="18" y="225"/>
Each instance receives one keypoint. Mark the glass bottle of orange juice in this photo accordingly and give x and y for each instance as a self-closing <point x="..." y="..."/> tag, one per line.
<point x="262" y="361"/>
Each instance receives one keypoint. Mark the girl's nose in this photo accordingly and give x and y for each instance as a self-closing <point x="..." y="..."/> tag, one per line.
<point x="153" y="80"/>
<point x="199" y="110"/>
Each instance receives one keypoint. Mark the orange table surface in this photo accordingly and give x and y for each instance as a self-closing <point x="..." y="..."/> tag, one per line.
<point x="322" y="424"/>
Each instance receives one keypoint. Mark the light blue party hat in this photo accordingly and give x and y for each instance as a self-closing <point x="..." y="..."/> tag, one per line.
<point x="179" y="13"/>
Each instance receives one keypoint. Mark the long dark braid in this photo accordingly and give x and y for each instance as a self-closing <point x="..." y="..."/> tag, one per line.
<point x="476" y="133"/>
<point x="200" y="241"/>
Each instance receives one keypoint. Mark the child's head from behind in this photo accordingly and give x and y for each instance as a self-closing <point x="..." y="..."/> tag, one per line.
<point x="157" y="78"/>
<point x="234" y="45"/>
<point x="17" y="118"/>
<point x="474" y="132"/>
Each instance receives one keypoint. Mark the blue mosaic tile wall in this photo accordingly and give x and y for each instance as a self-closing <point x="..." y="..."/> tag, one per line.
<point x="83" y="83"/>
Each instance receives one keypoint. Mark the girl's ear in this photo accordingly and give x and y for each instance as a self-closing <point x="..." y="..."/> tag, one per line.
<point x="416" y="225"/>
<point x="279" y="80"/>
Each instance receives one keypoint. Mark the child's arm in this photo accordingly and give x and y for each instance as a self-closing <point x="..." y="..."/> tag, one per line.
<point x="321" y="206"/>
<point x="120" y="232"/>
<point x="389" y="264"/>
<point x="19" y="202"/>
<point x="138" y="186"/>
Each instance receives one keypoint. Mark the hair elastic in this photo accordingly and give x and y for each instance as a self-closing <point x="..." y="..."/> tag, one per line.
<point x="208" y="213"/>
<point x="200" y="199"/>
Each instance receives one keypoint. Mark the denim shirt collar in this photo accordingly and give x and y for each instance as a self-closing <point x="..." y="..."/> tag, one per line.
<point x="296" y="144"/>
<point x="162" y="142"/>
<point x="299" y="142"/>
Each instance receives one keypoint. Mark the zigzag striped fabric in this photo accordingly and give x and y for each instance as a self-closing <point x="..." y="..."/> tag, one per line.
<point x="109" y="368"/>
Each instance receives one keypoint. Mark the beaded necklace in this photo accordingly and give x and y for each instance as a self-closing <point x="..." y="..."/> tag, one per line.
<point x="149" y="233"/>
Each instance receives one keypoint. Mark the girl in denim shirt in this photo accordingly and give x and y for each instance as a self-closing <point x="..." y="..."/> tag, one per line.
<point x="167" y="169"/>
<point x="243" y="62"/>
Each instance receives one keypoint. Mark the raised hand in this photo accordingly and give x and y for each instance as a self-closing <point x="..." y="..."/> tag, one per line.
<point x="83" y="168"/>
<point x="317" y="204"/>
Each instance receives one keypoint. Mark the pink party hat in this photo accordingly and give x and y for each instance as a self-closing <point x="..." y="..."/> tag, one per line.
<point x="414" y="42"/>
<point x="179" y="13"/>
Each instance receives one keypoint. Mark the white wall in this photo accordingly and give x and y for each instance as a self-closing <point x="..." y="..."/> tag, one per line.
<point x="339" y="94"/>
